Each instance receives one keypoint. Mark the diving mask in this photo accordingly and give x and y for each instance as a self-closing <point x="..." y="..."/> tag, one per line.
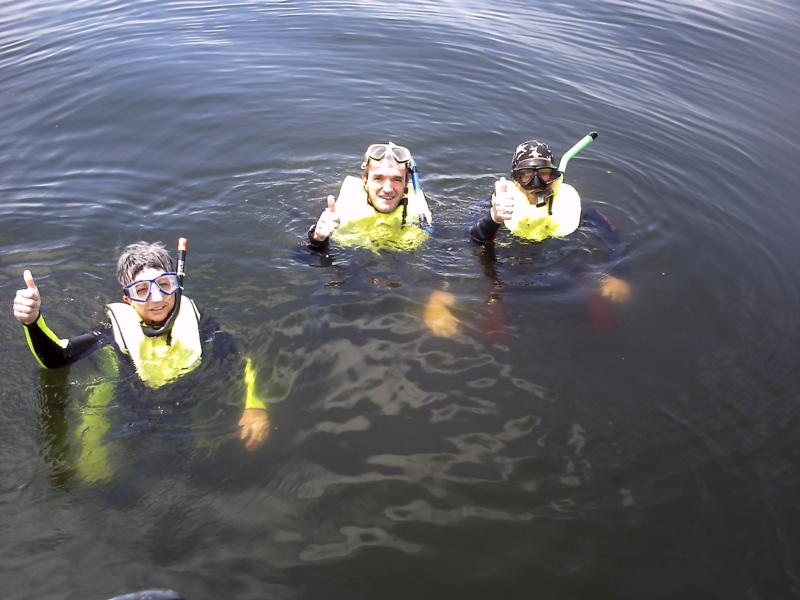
<point x="140" y="290"/>
<point x="535" y="177"/>
<point x="400" y="154"/>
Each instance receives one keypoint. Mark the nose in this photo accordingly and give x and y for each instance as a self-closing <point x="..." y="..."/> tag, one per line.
<point x="155" y="293"/>
<point x="387" y="186"/>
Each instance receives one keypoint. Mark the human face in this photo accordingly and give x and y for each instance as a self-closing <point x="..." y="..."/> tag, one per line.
<point x="158" y="306"/>
<point x="536" y="178"/>
<point x="386" y="184"/>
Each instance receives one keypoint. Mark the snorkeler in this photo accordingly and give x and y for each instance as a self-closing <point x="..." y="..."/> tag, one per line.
<point x="155" y="328"/>
<point x="536" y="204"/>
<point x="384" y="208"/>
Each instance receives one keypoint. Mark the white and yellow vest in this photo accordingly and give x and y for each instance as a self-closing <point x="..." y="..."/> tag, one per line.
<point x="156" y="361"/>
<point x="362" y="225"/>
<point x="557" y="218"/>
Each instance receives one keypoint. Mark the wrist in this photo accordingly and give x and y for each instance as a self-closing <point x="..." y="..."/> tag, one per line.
<point x="33" y="322"/>
<point x="314" y="243"/>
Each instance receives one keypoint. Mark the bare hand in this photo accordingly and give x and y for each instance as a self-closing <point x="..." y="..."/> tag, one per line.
<point x="615" y="289"/>
<point x="254" y="427"/>
<point x="328" y="222"/>
<point x="438" y="317"/>
<point x="502" y="202"/>
<point x="27" y="301"/>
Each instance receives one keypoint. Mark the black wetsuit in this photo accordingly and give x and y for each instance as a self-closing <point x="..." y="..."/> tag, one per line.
<point x="485" y="230"/>
<point x="315" y="244"/>
<point x="54" y="355"/>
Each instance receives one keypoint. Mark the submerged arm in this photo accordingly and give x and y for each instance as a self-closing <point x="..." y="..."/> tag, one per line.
<point x="254" y="423"/>
<point x="612" y="285"/>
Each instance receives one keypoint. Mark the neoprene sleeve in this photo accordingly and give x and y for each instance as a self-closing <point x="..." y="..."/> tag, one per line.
<point x="484" y="230"/>
<point x="315" y="244"/>
<point x="52" y="352"/>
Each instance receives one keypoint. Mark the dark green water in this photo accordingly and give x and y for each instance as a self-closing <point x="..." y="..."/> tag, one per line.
<point x="534" y="455"/>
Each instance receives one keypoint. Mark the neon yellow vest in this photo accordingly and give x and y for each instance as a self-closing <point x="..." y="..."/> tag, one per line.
<point x="156" y="362"/>
<point x="533" y="222"/>
<point x="362" y="225"/>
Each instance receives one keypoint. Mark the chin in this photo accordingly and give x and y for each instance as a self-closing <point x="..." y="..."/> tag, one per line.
<point x="156" y="317"/>
<point x="387" y="206"/>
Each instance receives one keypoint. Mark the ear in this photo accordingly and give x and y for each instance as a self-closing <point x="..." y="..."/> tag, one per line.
<point x="125" y="299"/>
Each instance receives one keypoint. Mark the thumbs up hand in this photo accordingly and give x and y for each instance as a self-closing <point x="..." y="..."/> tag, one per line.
<point x="502" y="201"/>
<point x="328" y="222"/>
<point x="27" y="301"/>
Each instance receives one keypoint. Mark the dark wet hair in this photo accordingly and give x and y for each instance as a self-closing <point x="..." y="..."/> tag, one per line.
<point x="140" y="255"/>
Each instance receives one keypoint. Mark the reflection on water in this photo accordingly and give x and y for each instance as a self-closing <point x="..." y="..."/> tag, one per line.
<point x="557" y="443"/>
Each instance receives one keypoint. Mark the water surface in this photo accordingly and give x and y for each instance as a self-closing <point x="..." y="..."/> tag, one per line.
<point x="540" y="452"/>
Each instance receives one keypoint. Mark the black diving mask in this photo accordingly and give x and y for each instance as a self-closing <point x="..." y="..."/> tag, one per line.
<point x="535" y="177"/>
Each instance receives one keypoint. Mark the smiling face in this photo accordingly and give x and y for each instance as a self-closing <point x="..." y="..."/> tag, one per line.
<point x="158" y="306"/>
<point x="385" y="184"/>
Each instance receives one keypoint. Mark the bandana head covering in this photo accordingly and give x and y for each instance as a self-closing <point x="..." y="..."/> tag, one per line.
<point x="529" y="152"/>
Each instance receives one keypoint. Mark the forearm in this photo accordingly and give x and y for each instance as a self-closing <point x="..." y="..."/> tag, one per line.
<point x="607" y="232"/>
<point x="224" y="351"/>
<point x="52" y="352"/>
<point x="314" y="243"/>
<point x="251" y="399"/>
<point x="254" y="424"/>
<point x="484" y="230"/>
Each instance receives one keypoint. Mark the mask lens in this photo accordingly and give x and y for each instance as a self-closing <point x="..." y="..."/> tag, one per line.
<point x="536" y="177"/>
<point x="168" y="284"/>
<point x="547" y="175"/>
<point x="401" y="154"/>
<point x="523" y="176"/>
<point x="139" y="290"/>
<point x="376" y="151"/>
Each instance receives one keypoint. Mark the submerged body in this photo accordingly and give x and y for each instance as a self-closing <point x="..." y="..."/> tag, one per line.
<point x="161" y="337"/>
<point x="537" y="205"/>
<point x="385" y="209"/>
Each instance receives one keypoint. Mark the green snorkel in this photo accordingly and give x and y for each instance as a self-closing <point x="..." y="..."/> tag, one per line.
<point x="577" y="147"/>
<point x="546" y="195"/>
<point x="166" y="326"/>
